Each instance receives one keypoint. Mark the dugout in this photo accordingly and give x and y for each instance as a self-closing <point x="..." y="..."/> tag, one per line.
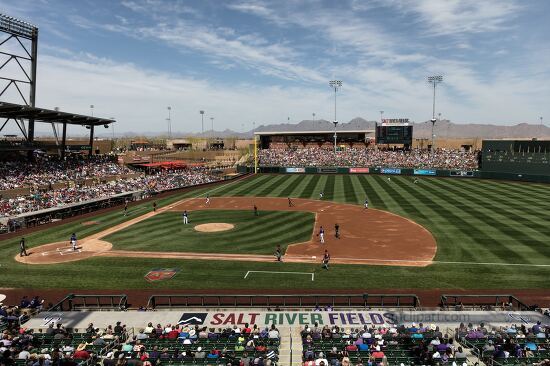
<point x="302" y="139"/>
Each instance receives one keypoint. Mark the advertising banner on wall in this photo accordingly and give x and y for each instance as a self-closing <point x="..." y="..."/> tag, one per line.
<point x="424" y="172"/>
<point x="327" y="170"/>
<point x="461" y="173"/>
<point x="390" y="170"/>
<point x="295" y="170"/>
<point x="359" y="170"/>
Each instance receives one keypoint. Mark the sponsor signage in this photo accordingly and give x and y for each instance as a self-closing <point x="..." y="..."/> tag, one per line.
<point x="350" y="318"/>
<point x="424" y="172"/>
<point x="295" y="170"/>
<point x="461" y="173"/>
<point x="327" y="170"/>
<point x="358" y="170"/>
<point x="161" y="274"/>
<point x="395" y="121"/>
<point x="390" y="170"/>
<point x="78" y="148"/>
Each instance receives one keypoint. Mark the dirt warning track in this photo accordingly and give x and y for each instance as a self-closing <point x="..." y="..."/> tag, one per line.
<point x="366" y="236"/>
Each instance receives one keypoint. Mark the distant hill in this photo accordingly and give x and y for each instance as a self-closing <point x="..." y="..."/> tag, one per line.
<point x="443" y="129"/>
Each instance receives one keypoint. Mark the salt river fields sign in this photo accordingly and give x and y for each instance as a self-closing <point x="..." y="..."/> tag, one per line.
<point x="222" y="319"/>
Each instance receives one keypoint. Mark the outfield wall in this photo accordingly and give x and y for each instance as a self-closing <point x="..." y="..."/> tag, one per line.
<point x="399" y="171"/>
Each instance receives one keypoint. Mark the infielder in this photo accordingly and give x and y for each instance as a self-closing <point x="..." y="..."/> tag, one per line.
<point x="207" y="200"/>
<point x="279" y="254"/>
<point x="290" y="203"/>
<point x="22" y="248"/>
<point x="366" y="203"/>
<point x="73" y="241"/>
<point x="185" y="218"/>
<point x="322" y="235"/>
<point x="337" y="231"/>
<point x="326" y="259"/>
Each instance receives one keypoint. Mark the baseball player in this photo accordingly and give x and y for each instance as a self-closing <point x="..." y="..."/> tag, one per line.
<point x="256" y="211"/>
<point x="321" y="195"/>
<point x="154" y="206"/>
<point x="207" y="200"/>
<point x="290" y="203"/>
<point x="337" y="231"/>
<point x="321" y="235"/>
<point x="73" y="241"/>
<point x="279" y="254"/>
<point x="22" y="248"/>
<point x="366" y="203"/>
<point x="125" y="208"/>
<point x="415" y="180"/>
<point x="185" y="218"/>
<point x="389" y="179"/>
<point x="326" y="259"/>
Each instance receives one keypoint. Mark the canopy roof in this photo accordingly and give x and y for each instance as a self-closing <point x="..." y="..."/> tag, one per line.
<point x="11" y="110"/>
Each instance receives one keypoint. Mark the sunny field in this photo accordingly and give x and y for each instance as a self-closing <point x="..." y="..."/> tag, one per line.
<point x="492" y="235"/>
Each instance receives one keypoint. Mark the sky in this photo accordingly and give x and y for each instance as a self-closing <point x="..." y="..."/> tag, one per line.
<point x="247" y="62"/>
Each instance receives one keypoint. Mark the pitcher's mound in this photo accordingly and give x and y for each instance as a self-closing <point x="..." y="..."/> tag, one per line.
<point x="214" y="227"/>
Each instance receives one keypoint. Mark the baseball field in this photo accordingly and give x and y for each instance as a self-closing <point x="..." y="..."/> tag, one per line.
<point x="484" y="235"/>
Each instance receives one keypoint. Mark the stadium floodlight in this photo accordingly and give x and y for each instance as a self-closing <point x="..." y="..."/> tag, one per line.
<point x="92" y="109"/>
<point x="381" y="116"/>
<point x="17" y="27"/>
<point x="169" y="120"/>
<point x="313" y="121"/>
<point x="202" y="121"/>
<point x="212" y="122"/>
<point x="434" y="80"/>
<point x="335" y="84"/>
<point x="540" y="128"/>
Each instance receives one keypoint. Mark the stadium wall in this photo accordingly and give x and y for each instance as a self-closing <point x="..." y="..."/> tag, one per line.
<point x="536" y="178"/>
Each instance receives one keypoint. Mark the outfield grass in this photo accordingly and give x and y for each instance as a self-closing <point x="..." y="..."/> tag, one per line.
<point x="474" y="221"/>
<point x="252" y="234"/>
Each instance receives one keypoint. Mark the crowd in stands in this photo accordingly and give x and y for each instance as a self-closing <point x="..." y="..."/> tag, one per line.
<point x="47" y="170"/>
<point x="80" y="193"/>
<point x="153" y="345"/>
<point x="420" y="345"/>
<point x="516" y="344"/>
<point x="363" y="157"/>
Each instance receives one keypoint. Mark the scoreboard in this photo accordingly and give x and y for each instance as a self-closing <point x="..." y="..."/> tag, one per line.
<point x="394" y="132"/>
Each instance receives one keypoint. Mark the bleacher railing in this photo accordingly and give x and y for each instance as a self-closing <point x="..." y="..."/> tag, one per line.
<point x="73" y="302"/>
<point x="284" y="301"/>
<point x="499" y="301"/>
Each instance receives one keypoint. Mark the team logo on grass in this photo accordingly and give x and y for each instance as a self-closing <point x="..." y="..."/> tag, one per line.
<point x="192" y="318"/>
<point x="161" y="274"/>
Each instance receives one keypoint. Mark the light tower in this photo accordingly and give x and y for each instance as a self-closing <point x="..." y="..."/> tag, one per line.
<point x="381" y="116"/>
<point x="212" y="123"/>
<point x="313" y="123"/>
<point x="169" y="120"/>
<point x="202" y="121"/>
<point x="335" y="84"/>
<point x="434" y="80"/>
<point x="540" y="128"/>
<point x="92" y="109"/>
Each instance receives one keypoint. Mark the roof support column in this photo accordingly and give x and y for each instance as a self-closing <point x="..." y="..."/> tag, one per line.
<point x="91" y="151"/>
<point x="64" y="140"/>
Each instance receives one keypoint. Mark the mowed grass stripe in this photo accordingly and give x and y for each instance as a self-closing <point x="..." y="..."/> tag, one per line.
<point x="328" y="189"/>
<point x="231" y="189"/>
<point x="309" y="186"/>
<point x="244" y="190"/>
<point x="267" y="189"/>
<point x="495" y="211"/>
<point x="534" y="205"/>
<point x="287" y="186"/>
<point x="532" y="217"/>
<point x="339" y="189"/>
<point x="375" y="200"/>
<point x="443" y="229"/>
<point x="531" y="246"/>
<point x="500" y="246"/>
<point x="296" y="187"/>
<point x="252" y="234"/>
<point x="411" y="209"/>
<point x="349" y="190"/>
<point x="482" y="244"/>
